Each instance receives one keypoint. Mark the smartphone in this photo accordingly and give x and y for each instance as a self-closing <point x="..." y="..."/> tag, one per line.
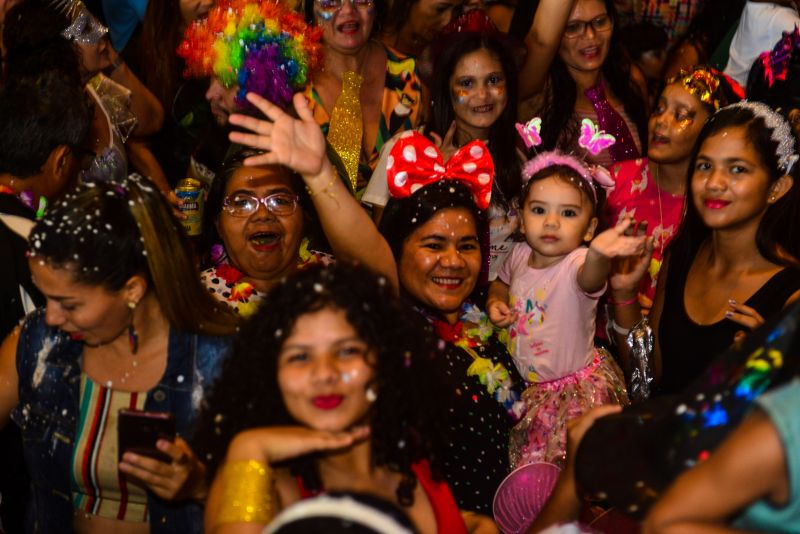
<point x="138" y="432"/>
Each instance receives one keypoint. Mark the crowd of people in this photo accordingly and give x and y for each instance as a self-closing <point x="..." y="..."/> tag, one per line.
<point x="295" y="265"/>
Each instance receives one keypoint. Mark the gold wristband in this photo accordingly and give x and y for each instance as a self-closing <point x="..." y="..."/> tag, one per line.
<point x="327" y="188"/>
<point x="246" y="493"/>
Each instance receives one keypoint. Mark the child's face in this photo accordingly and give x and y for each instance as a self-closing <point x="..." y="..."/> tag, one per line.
<point x="556" y="219"/>
<point x="478" y="92"/>
<point x="674" y="125"/>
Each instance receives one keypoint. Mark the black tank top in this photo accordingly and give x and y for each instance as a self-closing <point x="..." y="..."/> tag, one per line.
<point x="687" y="348"/>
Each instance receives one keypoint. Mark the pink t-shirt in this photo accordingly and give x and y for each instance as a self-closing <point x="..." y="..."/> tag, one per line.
<point x="553" y="335"/>
<point x="636" y="194"/>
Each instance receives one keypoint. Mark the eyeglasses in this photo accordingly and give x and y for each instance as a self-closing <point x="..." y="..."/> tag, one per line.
<point x="576" y="28"/>
<point x="245" y="204"/>
<point x="330" y="6"/>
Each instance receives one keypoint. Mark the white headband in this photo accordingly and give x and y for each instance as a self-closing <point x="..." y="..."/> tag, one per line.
<point x="781" y="132"/>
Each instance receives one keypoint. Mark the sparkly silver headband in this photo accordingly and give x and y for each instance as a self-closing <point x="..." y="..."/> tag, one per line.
<point x="781" y="132"/>
<point x="84" y="27"/>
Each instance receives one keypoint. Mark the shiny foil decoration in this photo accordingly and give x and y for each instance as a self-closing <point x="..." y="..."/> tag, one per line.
<point x="346" y="126"/>
<point x="641" y="342"/>
<point x="700" y="82"/>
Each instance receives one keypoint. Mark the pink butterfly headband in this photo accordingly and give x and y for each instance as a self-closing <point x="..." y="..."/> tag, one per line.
<point x="592" y="139"/>
<point x="415" y="162"/>
<point x="595" y="174"/>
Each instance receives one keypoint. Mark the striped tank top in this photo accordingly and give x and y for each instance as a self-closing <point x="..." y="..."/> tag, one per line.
<point x="98" y="487"/>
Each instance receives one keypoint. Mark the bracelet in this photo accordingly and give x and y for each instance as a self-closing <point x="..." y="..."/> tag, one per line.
<point x="246" y="493"/>
<point x="618" y="329"/>
<point x="327" y="188"/>
<point x="627" y="302"/>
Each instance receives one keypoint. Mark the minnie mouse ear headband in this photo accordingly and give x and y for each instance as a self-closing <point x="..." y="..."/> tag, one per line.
<point x="781" y="132"/>
<point x="591" y="139"/>
<point x="415" y="162"/>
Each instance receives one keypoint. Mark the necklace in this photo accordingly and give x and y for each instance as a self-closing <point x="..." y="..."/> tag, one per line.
<point x="472" y="331"/>
<point x="242" y="295"/>
<point x="660" y="228"/>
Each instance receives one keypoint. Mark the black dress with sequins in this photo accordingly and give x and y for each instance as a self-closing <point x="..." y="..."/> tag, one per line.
<point x="476" y="458"/>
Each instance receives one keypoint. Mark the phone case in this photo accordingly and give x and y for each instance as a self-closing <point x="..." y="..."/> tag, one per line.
<point x="139" y="431"/>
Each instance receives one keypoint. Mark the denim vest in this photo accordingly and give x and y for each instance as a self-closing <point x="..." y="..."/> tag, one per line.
<point x="49" y="370"/>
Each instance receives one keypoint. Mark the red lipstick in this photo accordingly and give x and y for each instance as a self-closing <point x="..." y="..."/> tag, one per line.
<point x="715" y="203"/>
<point x="327" y="402"/>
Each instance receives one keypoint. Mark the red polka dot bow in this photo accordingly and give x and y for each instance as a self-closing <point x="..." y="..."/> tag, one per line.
<point x="415" y="162"/>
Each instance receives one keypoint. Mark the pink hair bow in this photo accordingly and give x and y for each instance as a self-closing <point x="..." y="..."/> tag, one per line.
<point x="415" y="162"/>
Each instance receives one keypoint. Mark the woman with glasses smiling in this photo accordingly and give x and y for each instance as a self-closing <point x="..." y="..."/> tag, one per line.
<point x="576" y="70"/>
<point x="262" y="207"/>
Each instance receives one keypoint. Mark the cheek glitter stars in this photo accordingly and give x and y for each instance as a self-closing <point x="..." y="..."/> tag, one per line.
<point x="325" y="15"/>
<point x="460" y="96"/>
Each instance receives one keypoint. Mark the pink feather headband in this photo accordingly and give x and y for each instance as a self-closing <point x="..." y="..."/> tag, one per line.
<point x="596" y="174"/>
<point x="592" y="139"/>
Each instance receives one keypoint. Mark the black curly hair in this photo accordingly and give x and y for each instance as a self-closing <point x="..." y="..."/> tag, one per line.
<point x="406" y="418"/>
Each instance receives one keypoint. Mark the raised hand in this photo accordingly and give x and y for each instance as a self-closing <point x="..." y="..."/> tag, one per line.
<point x="745" y="316"/>
<point x="615" y="243"/>
<point x="297" y="143"/>
<point x="627" y="271"/>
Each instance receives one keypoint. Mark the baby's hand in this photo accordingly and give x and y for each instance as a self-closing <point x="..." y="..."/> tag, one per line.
<point x="613" y="243"/>
<point x="500" y="314"/>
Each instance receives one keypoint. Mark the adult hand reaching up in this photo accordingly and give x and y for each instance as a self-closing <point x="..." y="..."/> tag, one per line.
<point x="297" y="143"/>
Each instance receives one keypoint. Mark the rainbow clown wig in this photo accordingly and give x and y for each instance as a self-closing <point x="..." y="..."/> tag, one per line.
<point x="255" y="44"/>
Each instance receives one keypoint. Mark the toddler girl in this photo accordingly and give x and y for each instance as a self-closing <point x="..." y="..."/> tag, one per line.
<point x="546" y="294"/>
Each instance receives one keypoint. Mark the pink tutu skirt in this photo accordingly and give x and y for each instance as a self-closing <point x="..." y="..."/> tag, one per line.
<point x="541" y="434"/>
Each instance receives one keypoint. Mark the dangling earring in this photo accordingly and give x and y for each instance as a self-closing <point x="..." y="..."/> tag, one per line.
<point x="371" y="395"/>
<point x="133" y="336"/>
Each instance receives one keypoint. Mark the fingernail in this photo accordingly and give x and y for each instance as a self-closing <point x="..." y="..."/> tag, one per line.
<point x="728" y="314"/>
<point x="732" y="302"/>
